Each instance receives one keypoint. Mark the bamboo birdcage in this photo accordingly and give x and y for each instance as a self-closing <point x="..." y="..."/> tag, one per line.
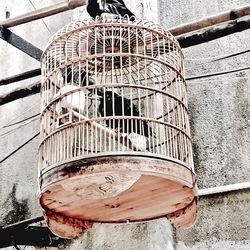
<point x="114" y="124"/>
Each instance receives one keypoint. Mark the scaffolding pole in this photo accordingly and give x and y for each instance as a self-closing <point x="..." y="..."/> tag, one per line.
<point x="41" y="13"/>
<point x="214" y="32"/>
<point x="211" y="20"/>
<point x="20" y="43"/>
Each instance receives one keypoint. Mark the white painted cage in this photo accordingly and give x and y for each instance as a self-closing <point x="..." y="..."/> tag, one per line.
<point x="115" y="119"/>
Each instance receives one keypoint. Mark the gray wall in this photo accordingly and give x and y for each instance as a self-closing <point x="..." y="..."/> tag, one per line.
<point x="219" y="110"/>
<point x="18" y="174"/>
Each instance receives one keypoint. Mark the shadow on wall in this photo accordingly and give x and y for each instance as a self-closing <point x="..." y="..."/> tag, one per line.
<point x="17" y="209"/>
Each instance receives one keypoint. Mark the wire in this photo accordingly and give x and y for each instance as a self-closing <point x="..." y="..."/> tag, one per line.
<point x="232" y="55"/>
<point x="216" y="74"/>
<point x="20" y="115"/>
<point x="215" y="59"/>
<point x="228" y="80"/>
<point x="42" y="18"/>
<point x="23" y="223"/>
<point x="212" y="59"/>
<point x="11" y="124"/>
<point x="11" y="131"/>
<point x="16" y="150"/>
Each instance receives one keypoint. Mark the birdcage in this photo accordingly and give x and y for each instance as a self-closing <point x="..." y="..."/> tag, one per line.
<point x="116" y="144"/>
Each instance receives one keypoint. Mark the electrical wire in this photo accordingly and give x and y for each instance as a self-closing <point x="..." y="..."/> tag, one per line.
<point x="20" y="147"/>
<point x="216" y="74"/>
<point x="232" y="55"/>
<point x="23" y="223"/>
<point x="41" y="18"/>
<point x="19" y="115"/>
<point x="15" y="123"/>
<point x="213" y="59"/>
<point x="11" y="131"/>
<point x="228" y="80"/>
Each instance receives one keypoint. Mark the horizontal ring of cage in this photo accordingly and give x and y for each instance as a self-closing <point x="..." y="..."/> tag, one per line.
<point x="147" y="46"/>
<point x="174" y="105"/>
<point x="92" y="62"/>
<point x="162" y="77"/>
<point x="88" y="64"/>
<point x="118" y="58"/>
<point x="86" y="138"/>
<point x="82" y="24"/>
<point x="117" y="86"/>
<point x="53" y="167"/>
<point x="126" y="119"/>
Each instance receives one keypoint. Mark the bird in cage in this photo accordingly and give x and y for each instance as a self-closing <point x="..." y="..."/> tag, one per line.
<point x="113" y="104"/>
<point x="74" y="101"/>
<point x="116" y="7"/>
<point x="70" y="80"/>
<point x="73" y="75"/>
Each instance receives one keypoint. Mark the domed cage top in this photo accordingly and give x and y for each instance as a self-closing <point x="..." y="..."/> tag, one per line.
<point x="114" y="112"/>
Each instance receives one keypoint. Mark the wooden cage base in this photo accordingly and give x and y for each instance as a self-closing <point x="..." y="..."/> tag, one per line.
<point x="161" y="188"/>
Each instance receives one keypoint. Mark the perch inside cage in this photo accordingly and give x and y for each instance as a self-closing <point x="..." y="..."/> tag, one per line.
<point x="116" y="140"/>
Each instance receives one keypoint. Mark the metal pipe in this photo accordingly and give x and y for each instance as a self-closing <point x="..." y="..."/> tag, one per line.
<point x="224" y="189"/>
<point x="211" y="20"/>
<point x="43" y="12"/>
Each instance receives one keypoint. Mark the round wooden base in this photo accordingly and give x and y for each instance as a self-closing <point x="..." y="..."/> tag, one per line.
<point x="117" y="189"/>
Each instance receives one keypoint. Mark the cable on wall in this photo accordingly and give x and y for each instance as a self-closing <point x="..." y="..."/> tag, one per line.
<point x="16" y="150"/>
<point x="217" y="73"/>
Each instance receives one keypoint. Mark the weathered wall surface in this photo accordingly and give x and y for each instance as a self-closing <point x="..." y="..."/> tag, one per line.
<point x="18" y="174"/>
<point x="219" y="109"/>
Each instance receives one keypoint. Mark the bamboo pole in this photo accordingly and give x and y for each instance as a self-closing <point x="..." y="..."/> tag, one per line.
<point x="20" y="92"/>
<point x="20" y="77"/>
<point x="43" y="12"/>
<point x="211" y="20"/>
<point x="20" y="43"/>
<point x="214" y="32"/>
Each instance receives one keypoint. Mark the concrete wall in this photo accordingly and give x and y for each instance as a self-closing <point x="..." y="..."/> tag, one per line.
<point x="219" y="109"/>
<point x="18" y="174"/>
